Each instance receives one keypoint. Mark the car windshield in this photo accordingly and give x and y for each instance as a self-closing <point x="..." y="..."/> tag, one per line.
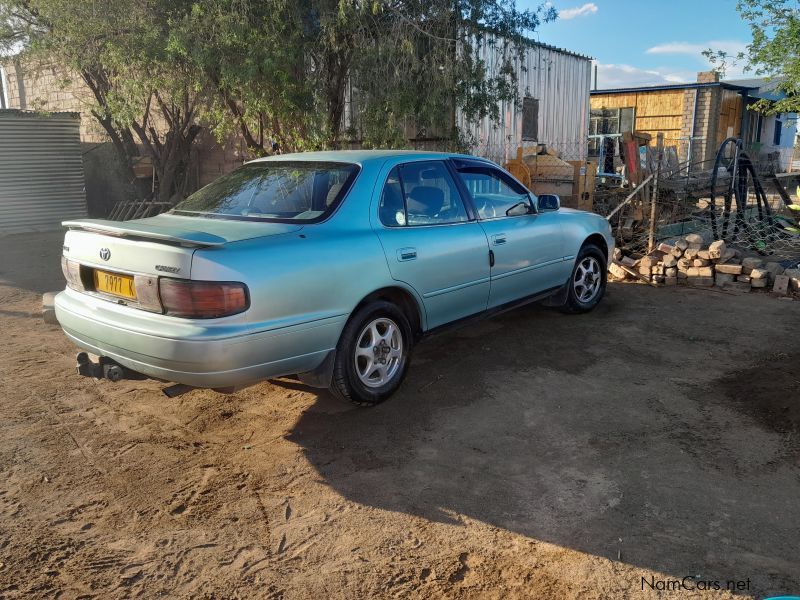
<point x="298" y="191"/>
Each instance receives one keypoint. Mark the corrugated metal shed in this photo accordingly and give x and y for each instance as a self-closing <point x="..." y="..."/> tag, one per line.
<point x="41" y="172"/>
<point x="558" y="79"/>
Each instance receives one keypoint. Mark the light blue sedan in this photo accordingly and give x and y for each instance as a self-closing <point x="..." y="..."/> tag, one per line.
<point x="327" y="265"/>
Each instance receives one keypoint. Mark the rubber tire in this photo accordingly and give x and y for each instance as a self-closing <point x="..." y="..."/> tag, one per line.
<point x="572" y="304"/>
<point x="345" y="383"/>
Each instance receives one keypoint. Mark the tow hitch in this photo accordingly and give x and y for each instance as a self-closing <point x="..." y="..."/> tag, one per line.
<point x="108" y="368"/>
<point x="104" y="368"/>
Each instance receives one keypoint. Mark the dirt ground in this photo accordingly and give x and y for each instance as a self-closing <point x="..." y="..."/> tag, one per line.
<point x="532" y="455"/>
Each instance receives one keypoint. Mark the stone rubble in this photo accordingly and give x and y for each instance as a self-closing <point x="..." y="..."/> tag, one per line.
<point x="689" y="261"/>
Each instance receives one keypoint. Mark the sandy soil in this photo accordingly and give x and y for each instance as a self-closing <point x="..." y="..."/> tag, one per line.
<point x="533" y="455"/>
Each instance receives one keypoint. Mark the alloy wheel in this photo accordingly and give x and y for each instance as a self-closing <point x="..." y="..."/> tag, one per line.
<point x="379" y="352"/>
<point x="587" y="279"/>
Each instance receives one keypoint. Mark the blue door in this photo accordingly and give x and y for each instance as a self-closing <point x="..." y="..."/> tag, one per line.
<point x="431" y="241"/>
<point x="527" y="246"/>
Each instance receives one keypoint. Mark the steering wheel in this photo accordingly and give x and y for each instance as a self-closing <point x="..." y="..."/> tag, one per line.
<point x="484" y="208"/>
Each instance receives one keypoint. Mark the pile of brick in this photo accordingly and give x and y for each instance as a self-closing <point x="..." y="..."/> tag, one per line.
<point x="689" y="261"/>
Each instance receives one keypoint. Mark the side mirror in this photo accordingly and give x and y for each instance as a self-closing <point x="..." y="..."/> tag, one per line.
<point x="519" y="209"/>
<point x="549" y="202"/>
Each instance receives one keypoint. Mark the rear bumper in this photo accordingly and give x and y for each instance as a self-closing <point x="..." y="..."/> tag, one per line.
<point x="201" y="357"/>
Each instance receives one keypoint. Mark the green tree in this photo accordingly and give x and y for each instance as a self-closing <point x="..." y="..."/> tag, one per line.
<point x="773" y="53"/>
<point x="284" y="70"/>
<point x="143" y="96"/>
<point x="300" y="73"/>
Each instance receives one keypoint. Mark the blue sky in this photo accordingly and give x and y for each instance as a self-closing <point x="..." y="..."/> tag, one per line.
<point x="646" y="41"/>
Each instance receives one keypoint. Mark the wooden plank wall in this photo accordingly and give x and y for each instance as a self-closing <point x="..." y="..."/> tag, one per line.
<point x="730" y="115"/>
<point x="655" y="111"/>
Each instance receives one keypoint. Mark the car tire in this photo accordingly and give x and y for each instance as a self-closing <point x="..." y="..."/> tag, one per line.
<point x="372" y="355"/>
<point x="587" y="283"/>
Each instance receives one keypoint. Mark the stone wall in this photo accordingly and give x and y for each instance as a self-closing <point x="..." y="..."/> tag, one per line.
<point x="706" y="125"/>
<point x="48" y="88"/>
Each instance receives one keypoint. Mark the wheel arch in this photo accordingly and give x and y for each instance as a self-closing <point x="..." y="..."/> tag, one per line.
<point x="597" y="239"/>
<point x="405" y="300"/>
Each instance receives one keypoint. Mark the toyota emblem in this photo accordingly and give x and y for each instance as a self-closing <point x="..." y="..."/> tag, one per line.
<point x="105" y="253"/>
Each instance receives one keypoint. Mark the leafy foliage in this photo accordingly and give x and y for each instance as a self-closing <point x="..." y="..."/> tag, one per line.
<point x="774" y="51"/>
<point x="143" y="92"/>
<point x="296" y="74"/>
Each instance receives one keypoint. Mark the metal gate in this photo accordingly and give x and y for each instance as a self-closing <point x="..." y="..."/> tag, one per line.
<point x="41" y="172"/>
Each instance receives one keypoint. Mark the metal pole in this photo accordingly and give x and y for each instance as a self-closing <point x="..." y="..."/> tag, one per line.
<point x="651" y="238"/>
<point x="691" y="133"/>
<point x="630" y="197"/>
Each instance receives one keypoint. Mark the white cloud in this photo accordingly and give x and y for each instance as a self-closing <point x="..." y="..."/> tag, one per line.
<point x="620" y="75"/>
<point x="589" y="8"/>
<point x="733" y="69"/>
<point x="623" y="75"/>
<point x="696" y="49"/>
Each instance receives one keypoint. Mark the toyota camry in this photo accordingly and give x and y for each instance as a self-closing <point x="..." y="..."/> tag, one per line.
<point x="329" y="266"/>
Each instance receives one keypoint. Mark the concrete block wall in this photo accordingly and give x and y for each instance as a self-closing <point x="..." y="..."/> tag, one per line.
<point x="51" y="89"/>
<point x="215" y="159"/>
<point x="705" y="118"/>
<point x="686" y="126"/>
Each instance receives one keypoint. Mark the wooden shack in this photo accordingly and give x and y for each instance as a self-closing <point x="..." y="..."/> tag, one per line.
<point x="695" y="118"/>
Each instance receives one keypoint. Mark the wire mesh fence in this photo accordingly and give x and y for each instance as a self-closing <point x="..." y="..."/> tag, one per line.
<point x="758" y="212"/>
<point x="770" y="229"/>
<point x="733" y="196"/>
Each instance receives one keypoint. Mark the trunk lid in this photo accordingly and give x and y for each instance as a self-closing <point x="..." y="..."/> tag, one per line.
<point x="160" y="245"/>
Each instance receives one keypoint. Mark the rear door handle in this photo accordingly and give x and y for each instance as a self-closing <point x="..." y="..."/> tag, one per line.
<point x="499" y="239"/>
<point x="404" y="254"/>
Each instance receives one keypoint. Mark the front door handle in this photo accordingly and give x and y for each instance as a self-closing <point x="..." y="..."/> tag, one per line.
<point x="499" y="239"/>
<point x="404" y="254"/>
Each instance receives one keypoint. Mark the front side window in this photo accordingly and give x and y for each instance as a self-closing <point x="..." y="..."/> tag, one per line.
<point x="296" y="191"/>
<point x="421" y="193"/>
<point x="493" y="195"/>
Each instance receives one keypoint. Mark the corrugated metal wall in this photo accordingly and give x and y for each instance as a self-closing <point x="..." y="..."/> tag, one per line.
<point x="41" y="172"/>
<point x="559" y="80"/>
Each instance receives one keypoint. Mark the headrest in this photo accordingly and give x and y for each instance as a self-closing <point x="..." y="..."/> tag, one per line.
<point x="425" y="200"/>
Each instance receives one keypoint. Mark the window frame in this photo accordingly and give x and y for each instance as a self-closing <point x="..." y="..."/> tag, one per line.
<point x="490" y="169"/>
<point x="777" y="130"/>
<point x="596" y="122"/>
<point x="468" y="208"/>
<point x="531" y="132"/>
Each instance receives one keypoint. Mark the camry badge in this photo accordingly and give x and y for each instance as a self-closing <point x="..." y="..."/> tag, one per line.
<point x="105" y="253"/>
<point x="168" y="269"/>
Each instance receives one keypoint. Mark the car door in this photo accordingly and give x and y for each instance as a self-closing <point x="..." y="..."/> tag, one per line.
<point x="432" y="242"/>
<point x="527" y="246"/>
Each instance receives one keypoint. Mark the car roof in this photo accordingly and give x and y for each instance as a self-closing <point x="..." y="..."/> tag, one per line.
<point x="361" y="156"/>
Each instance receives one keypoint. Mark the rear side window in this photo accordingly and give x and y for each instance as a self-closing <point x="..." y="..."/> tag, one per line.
<point x="284" y="191"/>
<point x="421" y="193"/>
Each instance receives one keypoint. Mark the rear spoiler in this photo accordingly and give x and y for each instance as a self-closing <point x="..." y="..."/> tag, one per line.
<point x="196" y="239"/>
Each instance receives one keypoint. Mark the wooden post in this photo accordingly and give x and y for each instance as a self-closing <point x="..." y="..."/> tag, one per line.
<point x="651" y="238"/>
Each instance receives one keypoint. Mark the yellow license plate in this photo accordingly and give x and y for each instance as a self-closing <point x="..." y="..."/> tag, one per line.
<point x="115" y="284"/>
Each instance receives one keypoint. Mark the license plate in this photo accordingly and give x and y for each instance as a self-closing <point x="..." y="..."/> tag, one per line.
<point x="115" y="284"/>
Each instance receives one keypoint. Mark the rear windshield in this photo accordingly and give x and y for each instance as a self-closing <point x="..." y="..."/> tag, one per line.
<point x="273" y="191"/>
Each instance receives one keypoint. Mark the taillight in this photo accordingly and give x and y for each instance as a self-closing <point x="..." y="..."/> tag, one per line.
<point x="201" y="299"/>
<point x="72" y="273"/>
